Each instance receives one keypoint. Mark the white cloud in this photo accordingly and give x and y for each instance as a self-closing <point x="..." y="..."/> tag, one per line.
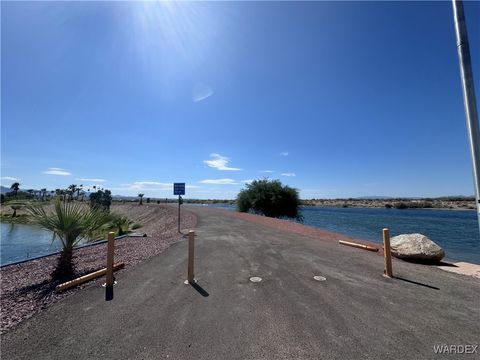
<point x="57" y="171"/>
<point x="267" y="171"/>
<point x="149" y="186"/>
<point x="10" y="178"/>
<point x="288" y="174"/>
<point x="219" y="162"/>
<point x="284" y="153"/>
<point x="248" y="181"/>
<point x="201" y="92"/>
<point x="219" y="181"/>
<point x="93" y="180"/>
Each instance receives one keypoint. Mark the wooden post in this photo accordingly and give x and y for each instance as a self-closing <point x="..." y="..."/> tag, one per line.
<point x="191" y="255"/>
<point x="110" y="251"/>
<point x="387" y="272"/>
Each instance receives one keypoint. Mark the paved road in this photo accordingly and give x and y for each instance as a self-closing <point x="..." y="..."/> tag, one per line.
<point x="354" y="314"/>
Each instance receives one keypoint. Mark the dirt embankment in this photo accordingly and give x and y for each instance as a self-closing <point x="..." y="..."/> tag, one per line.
<point x="26" y="288"/>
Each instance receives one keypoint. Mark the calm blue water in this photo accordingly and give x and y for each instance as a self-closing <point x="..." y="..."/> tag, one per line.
<point x="21" y="241"/>
<point x="455" y="231"/>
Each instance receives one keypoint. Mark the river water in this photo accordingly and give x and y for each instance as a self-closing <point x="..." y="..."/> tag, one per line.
<point x="455" y="231"/>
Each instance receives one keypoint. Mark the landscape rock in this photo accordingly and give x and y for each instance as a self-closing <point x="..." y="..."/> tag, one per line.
<point x="416" y="247"/>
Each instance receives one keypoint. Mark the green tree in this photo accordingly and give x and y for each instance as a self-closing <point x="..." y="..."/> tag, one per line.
<point x="141" y="199"/>
<point x="101" y="200"/>
<point x="15" y="187"/>
<point x="270" y="198"/>
<point x="70" y="191"/>
<point x="70" y="222"/>
<point x="121" y="224"/>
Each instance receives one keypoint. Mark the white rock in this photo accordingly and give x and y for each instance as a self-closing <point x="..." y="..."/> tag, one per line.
<point x="415" y="247"/>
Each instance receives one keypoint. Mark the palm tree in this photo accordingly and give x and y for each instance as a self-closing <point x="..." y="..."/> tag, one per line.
<point x="71" y="190"/>
<point x="141" y="199"/>
<point x="78" y="189"/>
<point x="71" y="222"/>
<point x="15" y="187"/>
<point x="121" y="224"/>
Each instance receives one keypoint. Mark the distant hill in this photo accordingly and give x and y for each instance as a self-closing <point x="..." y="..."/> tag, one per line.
<point x="4" y="189"/>
<point x="374" y="197"/>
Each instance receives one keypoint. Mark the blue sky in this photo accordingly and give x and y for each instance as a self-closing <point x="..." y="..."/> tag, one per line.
<point x="337" y="99"/>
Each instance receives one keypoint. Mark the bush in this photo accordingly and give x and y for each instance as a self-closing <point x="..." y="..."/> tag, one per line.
<point x="400" y="205"/>
<point x="101" y="200"/>
<point x="269" y="198"/>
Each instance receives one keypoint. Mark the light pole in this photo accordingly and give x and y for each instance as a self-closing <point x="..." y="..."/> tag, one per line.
<point x="468" y="95"/>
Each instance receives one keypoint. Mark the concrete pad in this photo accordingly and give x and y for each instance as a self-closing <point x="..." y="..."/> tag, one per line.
<point x="463" y="268"/>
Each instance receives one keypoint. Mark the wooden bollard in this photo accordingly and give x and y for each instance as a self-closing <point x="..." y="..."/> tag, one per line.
<point x="387" y="272"/>
<point x="191" y="256"/>
<point x="110" y="252"/>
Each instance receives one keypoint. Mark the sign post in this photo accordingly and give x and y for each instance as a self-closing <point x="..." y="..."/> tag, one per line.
<point x="179" y="189"/>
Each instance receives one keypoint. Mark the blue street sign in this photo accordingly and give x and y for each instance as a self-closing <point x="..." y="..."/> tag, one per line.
<point x="179" y="189"/>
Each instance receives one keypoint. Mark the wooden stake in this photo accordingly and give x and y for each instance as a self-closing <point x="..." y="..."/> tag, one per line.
<point x="83" y="279"/>
<point x="387" y="272"/>
<point x="191" y="255"/>
<point x="357" y="245"/>
<point x="110" y="251"/>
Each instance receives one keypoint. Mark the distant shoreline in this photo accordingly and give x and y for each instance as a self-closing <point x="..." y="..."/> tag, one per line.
<point x="443" y="203"/>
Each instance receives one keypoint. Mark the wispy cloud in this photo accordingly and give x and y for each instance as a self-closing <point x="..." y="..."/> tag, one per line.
<point x="201" y="92"/>
<point x="57" y="171"/>
<point x="248" y="181"/>
<point x="149" y="186"/>
<point x="288" y="174"/>
<point x="219" y="162"/>
<point x="284" y="153"/>
<point x="10" y="178"/>
<point x="219" y="181"/>
<point x="92" y="180"/>
<point x="267" y="171"/>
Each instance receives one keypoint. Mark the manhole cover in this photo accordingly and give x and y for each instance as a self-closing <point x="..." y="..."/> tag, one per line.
<point x="319" y="278"/>
<point x="255" y="279"/>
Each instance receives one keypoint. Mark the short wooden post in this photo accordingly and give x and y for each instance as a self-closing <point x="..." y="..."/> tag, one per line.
<point x="387" y="272"/>
<point x="191" y="255"/>
<point x="110" y="252"/>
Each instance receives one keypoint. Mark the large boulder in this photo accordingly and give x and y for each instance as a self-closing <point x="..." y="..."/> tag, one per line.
<point x="416" y="247"/>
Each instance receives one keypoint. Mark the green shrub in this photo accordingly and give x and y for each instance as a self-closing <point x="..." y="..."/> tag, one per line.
<point x="269" y="198"/>
<point x="400" y="205"/>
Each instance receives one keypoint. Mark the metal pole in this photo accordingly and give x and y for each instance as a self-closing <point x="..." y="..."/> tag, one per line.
<point x="178" y="213"/>
<point x="468" y="95"/>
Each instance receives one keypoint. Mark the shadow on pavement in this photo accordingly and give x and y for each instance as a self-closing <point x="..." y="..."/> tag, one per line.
<point x="416" y="283"/>
<point x="200" y="290"/>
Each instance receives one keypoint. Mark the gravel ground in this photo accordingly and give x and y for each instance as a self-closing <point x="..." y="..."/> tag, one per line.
<point x="26" y="288"/>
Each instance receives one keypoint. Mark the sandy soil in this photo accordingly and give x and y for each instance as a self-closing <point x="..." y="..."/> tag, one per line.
<point x="26" y="288"/>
